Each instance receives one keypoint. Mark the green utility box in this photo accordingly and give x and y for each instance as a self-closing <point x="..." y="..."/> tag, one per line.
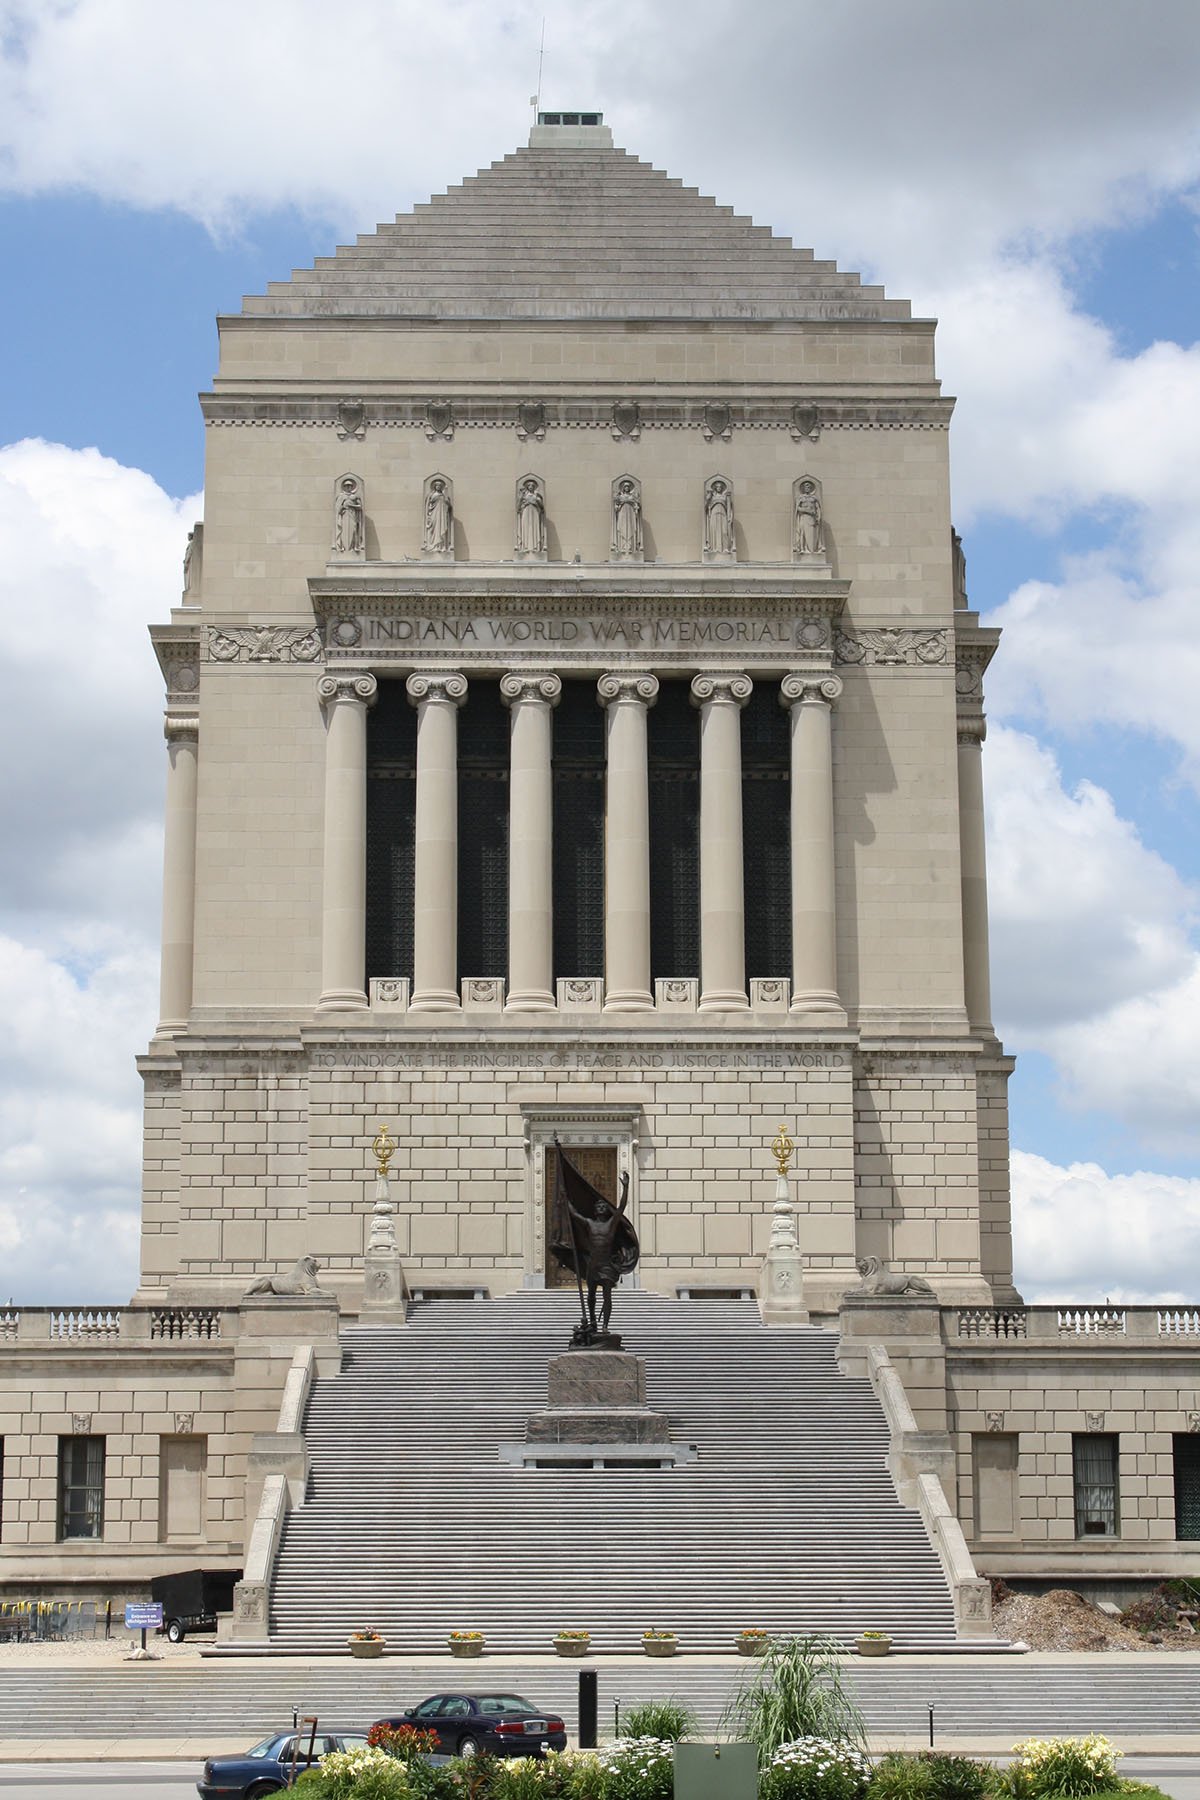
<point x="716" y="1772"/>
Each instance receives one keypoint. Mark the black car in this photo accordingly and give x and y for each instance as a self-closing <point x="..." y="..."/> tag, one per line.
<point x="267" y="1769"/>
<point x="502" y="1724"/>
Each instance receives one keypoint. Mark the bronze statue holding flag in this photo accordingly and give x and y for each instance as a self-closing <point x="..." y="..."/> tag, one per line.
<point x="596" y="1241"/>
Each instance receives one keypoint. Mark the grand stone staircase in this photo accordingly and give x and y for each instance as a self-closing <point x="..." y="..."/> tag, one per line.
<point x="787" y="1519"/>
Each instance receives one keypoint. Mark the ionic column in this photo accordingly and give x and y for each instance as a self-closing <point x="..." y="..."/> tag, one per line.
<point x="810" y="701"/>
<point x="627" y="698"/>
<point x="344" y="892"/>
<point x="530" y="698"/>
<point x="977" y="986"/>
<point x="437" y="699"/>
<point x="722" y="887"/>
<point x="182" y="732"/>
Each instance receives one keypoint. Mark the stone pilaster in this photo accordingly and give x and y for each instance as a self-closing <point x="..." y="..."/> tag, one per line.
<point x="720" y="698"/>
<point x="344" y="894"/>
<point x="530" y="696"/>
<point x="972" y="655"/>
<point x="437" y="698"/>
<point x="182" y="732"/>
<point x="627" y="697"/>
<point x="810" y="701"/>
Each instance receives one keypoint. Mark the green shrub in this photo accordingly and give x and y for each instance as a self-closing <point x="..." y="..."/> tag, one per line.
<point x="796" y="1691"/>
<point x="814" y="1769"/>
<point x="932" y="1775"/>
<point x="1073" y="1767"/>
<point x="366" y="1774"/>
<point x="666" y="1719"/>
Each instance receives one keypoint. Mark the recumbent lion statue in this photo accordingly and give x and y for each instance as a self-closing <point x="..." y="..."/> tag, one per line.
<point x="878" y="1280"/>
<point x="301" y="1278"/>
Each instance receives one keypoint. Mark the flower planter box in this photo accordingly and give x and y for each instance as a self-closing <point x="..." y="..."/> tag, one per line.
<point x="662" y="1646"/>
<point x="572" y="1646"/>
<point x="466" y="1646"/>
<point x="365" y="1646"/>
<point x="876" y="1646"/>
<point x="752" y="1643"/>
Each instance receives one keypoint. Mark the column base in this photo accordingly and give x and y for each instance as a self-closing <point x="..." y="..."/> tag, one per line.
<point x="342" y="1000"/>
<point x="822" y="1001"/>
<point x="169" y="1028"/>
<point x="435" y="1000"/>
<point x="724" y="1000"/>
<point x="531" y="1000"/>
<point x="628" y="1000"/>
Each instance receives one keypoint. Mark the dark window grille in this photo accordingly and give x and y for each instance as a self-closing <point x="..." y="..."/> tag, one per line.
<point x="391" y="820"/>
<point x="1096" y="1500"/>
<point x="1187" y="1484"/>
<point x="483" y="761"/>
<point x="766" y="833"/>
<point x="578" y="869"/>
<point x="81" y="1487"/>
<point x="674" y="771"/>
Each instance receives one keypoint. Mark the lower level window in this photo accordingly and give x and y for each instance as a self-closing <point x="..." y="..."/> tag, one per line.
<point x="81" y="1487"/>
<point x="1096" y="1511"/>
<point x="1187" y="1484"/>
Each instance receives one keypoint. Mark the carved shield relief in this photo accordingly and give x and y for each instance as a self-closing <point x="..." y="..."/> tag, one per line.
<point x="627" y="418"/>
<point x="717" y="419"/>
<point x="351" y="419"/>
<point x="531" y="419"/>
<point x="439" y="418"/>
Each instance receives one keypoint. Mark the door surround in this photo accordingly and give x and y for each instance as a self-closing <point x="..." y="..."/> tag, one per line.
<point x="616" y="1125"/>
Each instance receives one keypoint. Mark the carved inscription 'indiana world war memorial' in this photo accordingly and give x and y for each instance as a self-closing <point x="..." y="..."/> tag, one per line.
<point x="574" y="726"/>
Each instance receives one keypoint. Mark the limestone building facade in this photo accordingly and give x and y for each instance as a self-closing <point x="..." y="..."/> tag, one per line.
<point x="574" y="724"/>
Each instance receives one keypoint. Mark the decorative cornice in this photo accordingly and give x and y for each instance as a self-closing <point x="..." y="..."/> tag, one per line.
<point x="631" y="684"/>
<point x="805" y="690"/>
<point x="531" y="684"/>
<point x="262" y="644"/>
<point x="446" y="686"/>
<point x="732" y="689"/>
<point x="891" y="646"/>
<point x="359" y="689"/>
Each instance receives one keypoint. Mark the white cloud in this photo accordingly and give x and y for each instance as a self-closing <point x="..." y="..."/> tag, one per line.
<point x="1083" y="1235"/>
<point x="89" y="551"/>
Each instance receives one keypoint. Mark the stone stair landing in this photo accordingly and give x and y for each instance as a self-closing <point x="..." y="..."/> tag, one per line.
<point x="787" y="1519"/>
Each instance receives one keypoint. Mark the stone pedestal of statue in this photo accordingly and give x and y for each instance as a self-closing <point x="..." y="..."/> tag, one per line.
<point x="596" y="1397"/>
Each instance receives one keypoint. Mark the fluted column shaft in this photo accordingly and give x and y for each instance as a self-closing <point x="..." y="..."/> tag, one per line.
<point x="627" y="698"/>
<point x="722" y="884"/>
<point x="437" y="699"/>
<point x="977" y="985"/>
<point x="810" y="701"/>
<point x="530" y="698"/>
<point x="344" y="892"/>
<point x="182" y="733"/>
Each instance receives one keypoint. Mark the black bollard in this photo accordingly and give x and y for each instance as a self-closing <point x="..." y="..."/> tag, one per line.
<point x="587" y="1709"/>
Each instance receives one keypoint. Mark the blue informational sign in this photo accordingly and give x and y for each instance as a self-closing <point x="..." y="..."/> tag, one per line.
<point x="145" y="1616"/>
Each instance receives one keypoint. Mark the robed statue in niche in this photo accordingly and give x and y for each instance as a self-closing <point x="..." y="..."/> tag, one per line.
<point x="531" y="516"/>
<point x="719" y="538"/>
<point x="437" y="536"/>
<point x="627" y="518"/>
<point x="808" y="534"/>
<point x="349" y="518"/>
<point x="596" y="1241"/>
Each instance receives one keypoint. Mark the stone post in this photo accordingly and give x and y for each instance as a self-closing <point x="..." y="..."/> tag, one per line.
<point x="182" y="732"/>
<point x="530" y="696"/>
<point x="810" y="701"/>
<point x="385" y="1291"/>
<point x="344" y="893"/>
<point x="627" y="697"/>
<point x="977" y="987"/>
<point x="781" y="1281"/>
<point x="720" y="698"/>
<point x="437" y="699"/>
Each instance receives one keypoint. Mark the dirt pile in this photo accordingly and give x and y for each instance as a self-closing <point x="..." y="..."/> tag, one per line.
<point x="1062" y="1620"/>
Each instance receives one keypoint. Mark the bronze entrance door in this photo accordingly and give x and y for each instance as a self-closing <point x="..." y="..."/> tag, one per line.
<point x="598" y="1163"/>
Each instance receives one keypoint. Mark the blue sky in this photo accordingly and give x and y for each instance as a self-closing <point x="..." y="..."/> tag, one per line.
<point x="1032" y="181"/>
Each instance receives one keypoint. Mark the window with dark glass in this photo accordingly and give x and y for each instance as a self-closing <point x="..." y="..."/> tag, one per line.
<point x="483" y="761"/>
<point x="766" y="833"/>
<point x="81" y="1487"/>
<point x="577" y="767"/>
<point x="1096" y="1501"/>
<point x="1187" y="1484"/>
<point x="391" y="820"/>
<point x="673" y="750"/>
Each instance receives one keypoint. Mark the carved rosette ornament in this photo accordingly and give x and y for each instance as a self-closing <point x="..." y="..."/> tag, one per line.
<point x="334" y="690"/>
<point x="810" y="690"/>
<point x="727" y="690"/>
<point x="621" y="684"/>
<point x="446" y="687"/>
<point x="521" y="685"/>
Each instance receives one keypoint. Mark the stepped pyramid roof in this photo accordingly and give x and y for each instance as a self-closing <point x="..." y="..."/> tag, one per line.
<point x="572" y="228"/>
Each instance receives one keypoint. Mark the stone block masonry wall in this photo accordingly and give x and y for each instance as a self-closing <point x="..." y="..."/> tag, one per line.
<point x="160" y="1177"/>
<point x="917" y="1166"/>
<point x="995" y="1200"/>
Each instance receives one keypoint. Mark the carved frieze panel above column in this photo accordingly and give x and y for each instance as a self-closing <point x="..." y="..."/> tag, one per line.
<point x="891" y="646"/>
<point x="262" y="644"/>
<point x="973" y="651"/>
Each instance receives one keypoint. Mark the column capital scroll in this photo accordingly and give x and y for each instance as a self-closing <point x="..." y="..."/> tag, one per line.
<point x="446" y="685"/>
<point x="181" y="725"/>
<point x="733" y="689"/>
<point x="971" y="732"/>
<point x="798" y="689"/>
<point x="530" y="684"/>
<point x="361" y="687"/>
<point x="627" y="684"/>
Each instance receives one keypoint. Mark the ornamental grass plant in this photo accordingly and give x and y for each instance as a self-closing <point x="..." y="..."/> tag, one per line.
<point x="797" y="1691"/>
<point x="933" y="1775"/>
<point x="668" y="1719"/>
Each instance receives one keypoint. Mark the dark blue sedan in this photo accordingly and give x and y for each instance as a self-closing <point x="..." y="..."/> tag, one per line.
<point x="269" y="1767"/>
<point x="501" y="1724"/>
